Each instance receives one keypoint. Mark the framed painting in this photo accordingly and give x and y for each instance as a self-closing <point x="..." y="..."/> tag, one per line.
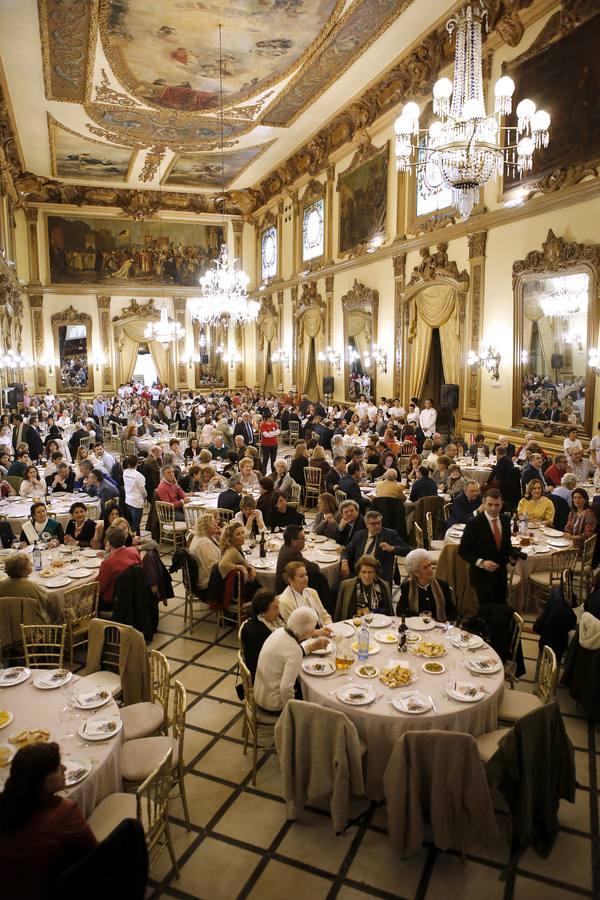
<point x="363" y="190"/>
<point x="76" y="156"/>
<point x="84" y="250"/>
<point x="564" y="79"/>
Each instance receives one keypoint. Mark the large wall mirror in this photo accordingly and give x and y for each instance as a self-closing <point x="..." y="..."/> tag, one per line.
<point x="211" y="344"/>
<point x="72" y="333"/>
<point x="360" y="306"/>
<point x="555" y="326"/>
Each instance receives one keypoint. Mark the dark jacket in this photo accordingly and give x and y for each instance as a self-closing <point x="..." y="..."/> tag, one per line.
<point x="68" y="482"/>
<point x="134" y="603"/>
<point x="555" y="622"/>
<point x="75" y="439"/>
<point x="288" y="554"/>
<point x="423" y="487"/>
<point x="31" y="438"/>
<point x="229" y="499"/>
<point x="507" y="478"/>
<point x="325" y="434"/>
<point x="242" y="429"/>
<point x="332" y="480"/>
<point x="462" y="509"/>
<point x="529" y="473"/>
<point x="403" y="608"/>
<point x="297" y="467"/>
<point x="346" y="599"/>
<point x="393" y="514"/>
<point x="478" y="541"/>
<point x="356" y="548"/>
<point x="352" y="491"/>
<point x="344" y="535"/>
<point x="254" y="634"/>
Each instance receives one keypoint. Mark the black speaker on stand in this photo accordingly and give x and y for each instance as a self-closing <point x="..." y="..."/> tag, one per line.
<point x="449" y="396"/>
<point x="16" y="394"/>
<point x="328" y="385"/>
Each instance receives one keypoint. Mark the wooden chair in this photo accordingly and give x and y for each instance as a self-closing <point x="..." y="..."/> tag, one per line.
<point x="407" y="448"/>
<point x="140" y="757"/>
<point x="150" y="717"/>
<point x="171" y="531"/>
<point x="514" y="588"/>
<point x="284" y="436"/>
<point x="225" y="515"/>
<point x="582" y="569"/>
<point x="294" y="433"/>
<point x="85" y="442"/>
<point x="446" y="511"/>
<point x="190" y="594"/>
<point x="182" y="437"/>
<point x="44" y="646"/>
<point x="295" y="494"/>
<point x="149" y="804"/>
<point x="515" y="641"/>
<point x="259" y="725"/>
<point x="312" y="489"/>
<point x="81" y="606"/>
<point x="340" y="496"/>
<point x="128" y="448"/>
<point x="191" y="516"/>
<point x="541" y="583"/>
<point x="515" y="704"/>
<point x="14" y="481"/>
<point x="419" y="539"/>
<point x="433" y="544"/>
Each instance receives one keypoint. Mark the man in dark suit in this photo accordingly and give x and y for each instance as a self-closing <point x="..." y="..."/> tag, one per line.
<point x="335" y="474"/>
<point x="350" y="521"/>
<point x="325" y="433"/>
<point x="80" y="432"/>
<point x="349" y="485"/>
<point x="486" y="546"/>
<point x="382" y="543"/>
<point x="230" y="498"/>
<point x="304" y="404"/>
<point x="423" y="486"/>
<point x="24" y="433"/>
<point x="294" y="541"/>
<point x="320" y="410"/>
<point x="465" y="504"/>
<point x="245" y="429"/>
<point x="533" y="469"/>
<point x="507" y="478"/>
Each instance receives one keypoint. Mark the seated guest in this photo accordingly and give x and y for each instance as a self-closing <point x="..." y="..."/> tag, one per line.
<point x="232" y="558"/>
<point x="175" y="449"/>
<point x="299" y="462"/>
<point x="282" y="480"/>
<point x="250" y="517"/>
<point x="366" y="591"/>
<point x="192" y="482"/>
<point x="580" y="466"/>
<point x="506" y="445"/>
<point x="572" y="442"/>
<point x="375" y="540"/>
<point x="19" y="464"/>
<point x="565" y="490"/>
<point x="350" y="522"/>
<point x="479" y="448"/>
<point x="533" y="469"/>
<point x="80" y="530"/>
<point x="99" y="486"/>
<point x="387" y="486"/>
<point x="253" y="454"/>
<point x="294" y="541"/>
<point x="465" y="504"/>
<point x="168" y="491"/>
<point x="318" y="461"/>
<point x="349" y="485"/>
<point x="230" y="498"/>
<point x="282" y="514"/>
<point x="297" y="593"/>
<point x="192" y="451"/>
<point x="387" y="462"/>
<point x="247" y="474"/>
<point x="535" y="505"/>
<point x="555" y="472"/>
<point x="101" y="459"/>
<point x="582" y="522"/>
<point x="18" y="584"/>
<point x="264" y="620"/>
<point x="120" y="559"/>
<point x="335" y="474"/>
<point x="422" y="592"/>
<point x="111" y="513"/>
<point x="6" y="489"/>
<point x="325" y="521"/>
<point x="62" y="481"/>
<point x="32" y="487"/>
<point x="217" y="449"/>
<point x="440" y="475"/>
<point x="280" y="661"/>
<point x="265" y="499"/>
<point x="205" y="547"/>
<point x="412" y="471"/>
<point x="424" y="486"/>
<point x="41" y="832"/>
<point x="39" y="524"/>
<point x="505" y="476"/>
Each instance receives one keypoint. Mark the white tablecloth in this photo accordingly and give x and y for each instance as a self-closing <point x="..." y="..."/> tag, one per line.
<point x="380" y="726"/>
<point x="479" y="473"/>
<point x="17" y="511"/>
<point x="34" y="708"/>
<point x="266" y="576"/>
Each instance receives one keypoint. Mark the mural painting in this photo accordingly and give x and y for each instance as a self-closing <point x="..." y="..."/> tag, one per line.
<point x="363" y="201"/>
<point x="203" y="170"/>
<point x="74" y="156"/>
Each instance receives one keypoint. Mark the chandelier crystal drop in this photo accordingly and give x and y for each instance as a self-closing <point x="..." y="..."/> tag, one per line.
<point x="224" y="296"/>
<point x="470" y="147"/>
<point x="164" y="331"/>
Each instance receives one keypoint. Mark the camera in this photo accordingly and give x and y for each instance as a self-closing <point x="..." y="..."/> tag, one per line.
<point x="516" y="555"/>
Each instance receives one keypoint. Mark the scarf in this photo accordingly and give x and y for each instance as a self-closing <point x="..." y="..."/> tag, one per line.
<point x="368" y="597"/>
<point x="33" y="535"/>
<point x="438" y="596"/>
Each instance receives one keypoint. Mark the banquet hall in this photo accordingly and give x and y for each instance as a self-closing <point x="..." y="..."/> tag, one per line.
<point x="300" y="448"/>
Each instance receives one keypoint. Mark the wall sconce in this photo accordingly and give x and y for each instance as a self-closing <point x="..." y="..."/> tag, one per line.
<point x="379" y="357"/>
<point x="232" y="359"/>
<point x="332" y="357"/>
<point x="14" y="361"/>
<point x="281" y="356"/>
<point x="489" y="359"/>
<point x="375" y="355"/>
<point x="375" y="243"/>
<point x="48" y="363"/>
<point x="594" y="360"/>
<point x="524" y="357"/>
<point x="97" y="360"/>
<point x="191" y="359"/>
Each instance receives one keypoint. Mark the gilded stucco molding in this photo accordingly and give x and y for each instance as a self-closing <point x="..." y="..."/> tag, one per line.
<point x="67" y="35"/>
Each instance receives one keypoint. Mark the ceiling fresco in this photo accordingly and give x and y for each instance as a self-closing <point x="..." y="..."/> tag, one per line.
<point x="203" y="170"/>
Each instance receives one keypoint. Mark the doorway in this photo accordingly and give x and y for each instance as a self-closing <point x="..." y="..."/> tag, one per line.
<point x="435" y="372"/>
<point x="145" y="370"/>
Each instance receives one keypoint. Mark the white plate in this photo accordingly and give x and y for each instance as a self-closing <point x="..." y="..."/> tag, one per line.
<point x="6" y="679"/>
<point x="11" y="752"/>
<point x="318" y="538"/>
<point x="552" y="532"/>
<point x="260" y="563"/>
<point x="404" y="701"/>
<point x="416" y="623"/>
<point x="75" y="770"/>
<point x="361" y="674"/>
<point x="9" y="720"/>
<point x="373" y="648"/>
<point x="61" y="581"/>
<point x="560" y="542"/>
<point x="458" y="691"/>
<point x="92" y="563"/>
<point x="473" y="643"/>
<point x="321" y="556"/>
<point x="331" y="546"/>
<point x="477" y="664"/>
<point x="380" y="621"/>
<point x="435" y="662"/>
<point x="318" y="668"/>
<point x="79" y="573"/>
<point x="45" y="681"/>
<point x="91" y="730"/>
<point x="324" y="652"/>
<point x="92" y="699"/>
<point x="386" y="637"/>
<point x="90" y="553"/>
<point x="342" y="629"/>
<point x="364" y="695"/>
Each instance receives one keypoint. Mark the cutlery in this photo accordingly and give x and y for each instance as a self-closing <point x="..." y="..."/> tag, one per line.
<point x="433" y="706"/>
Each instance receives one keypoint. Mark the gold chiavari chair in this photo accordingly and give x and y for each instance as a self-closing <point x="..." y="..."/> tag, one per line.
<point x="44" y="646"/>
<point x="81" y="606"/>
<point x="259" y="725"/>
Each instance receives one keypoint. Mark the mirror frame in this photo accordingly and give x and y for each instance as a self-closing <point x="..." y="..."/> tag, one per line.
<point x="358" y="297"/>
<point x="70" y="316"/>
<point x="557" y="257"/>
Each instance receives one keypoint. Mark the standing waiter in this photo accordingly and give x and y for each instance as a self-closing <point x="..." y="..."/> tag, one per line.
<point x="269" y="432"/>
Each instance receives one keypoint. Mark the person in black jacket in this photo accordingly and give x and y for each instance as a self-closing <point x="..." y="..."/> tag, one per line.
<point x="382" y="543"/>
<point x="465" y="504"/>
<point x="244" y="428"/>
<point x="230" y="498"/>
<point x="23" y="433"/>
<point x="486" y="546"/>
<point x="62" y="480"/>
<point x="506" y="477"/>
<point x="350" y="521"/>
<point x="280" y="514"/>
<point x="264" y="620"/>
<point x="424" y="486"/>
<point x="349" y="485"/>
<point x="555" y="622"/>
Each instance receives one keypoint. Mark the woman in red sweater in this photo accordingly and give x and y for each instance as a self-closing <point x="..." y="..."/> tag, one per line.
<point x="41" y="834"/>
<point x="269" y="432"/>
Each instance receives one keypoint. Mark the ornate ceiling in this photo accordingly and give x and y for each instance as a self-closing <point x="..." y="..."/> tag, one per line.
<point x="125" y="93"/>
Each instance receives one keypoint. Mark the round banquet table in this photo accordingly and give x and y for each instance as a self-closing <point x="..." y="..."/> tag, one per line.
<point x="35" y="708"/>
<point x="329" y="562"/>
<point x="380" y="725"/>
<point x="479" y="473"/>
<point x="16" y="511"/>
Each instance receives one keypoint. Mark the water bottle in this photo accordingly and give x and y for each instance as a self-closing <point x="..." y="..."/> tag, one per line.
<point x="37" y="558"/>
<point x="363" y="642"/>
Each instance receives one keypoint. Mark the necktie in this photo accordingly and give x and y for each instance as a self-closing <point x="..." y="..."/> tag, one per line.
<point x="371" y="546"/>
<point x="249" y="429"/>
<point x="497" y="532"/>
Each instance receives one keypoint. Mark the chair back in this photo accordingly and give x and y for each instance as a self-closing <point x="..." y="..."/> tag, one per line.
<point x="545" y="687"/>
<point x="419" y="542"/>
<point x="407" y="448"/>
<point x="429" y="527"/>
<point x="165" y="512"/>
<point x="44" y="646"/>
<point x="81" y="604"/>
<point x="225" y="515"/>
<point x="14" y="612"/>
<point x="14" y="481"/>
<point x="294" y="432"/>
<point x="434" y="505"/>
<point x="178" y="719"/>
<point x="182" y="436"/>
<point x="111" y="649"/>
<point x="191" y="515"/>
<point x="516" y="630"/>
<point x="129" y="448"/>
<point x="249" y="703"/>
<point x="567" y="583"/>
<point x="295" y="492"/>
<point x="93" y="511"/>
<point x="159" y="679"/>
<point x="312" y="476"/>
<point x="152" y="800"/>
<point x="587" y="554"/>
<point x="563" y="559"/>
<point x="85" y="442"/>
<point x="340" y="496"/>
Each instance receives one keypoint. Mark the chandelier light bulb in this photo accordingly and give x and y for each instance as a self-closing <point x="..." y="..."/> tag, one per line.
<point x="525" y="149"/>
<point x="435" y="131"/>
<point x="411" y="112"/>
<point x="503" y="91"/>
<point x="539" y="127"/>
<point x="473" y="109"/>
<point x="525" y="113"/>
<point x="442" y="89"/>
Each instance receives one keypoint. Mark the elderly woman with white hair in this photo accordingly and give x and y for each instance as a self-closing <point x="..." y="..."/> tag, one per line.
<point x="422" y="592"/>
<point x="282" y="480"/>
<point x="280" y="661"/>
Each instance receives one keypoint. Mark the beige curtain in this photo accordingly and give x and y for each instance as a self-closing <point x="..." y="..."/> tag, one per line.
<point x="268" y="328"/>
<point x="450" y="345"/>
<point x="132" y="335"/>
<point x="128" y="354"/>
<point x="435" y="307"/>
<point x="310" y="324"/>
<point x="419" y="358"/>
<point x="160" y="357"/>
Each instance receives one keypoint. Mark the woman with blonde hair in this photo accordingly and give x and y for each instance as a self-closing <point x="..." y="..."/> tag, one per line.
<point x="247" y="474"/>
<point x="232" y="558"/>
<point x="319" y="462"/>
<point x="205" y="547"/>
<point x="298" y="593"/>
<point x="299" y="462"/>
<point x="250" y="517"/>
<point x="535" y="505"/>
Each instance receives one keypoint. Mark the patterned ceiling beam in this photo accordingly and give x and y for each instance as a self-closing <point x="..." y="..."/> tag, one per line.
<point x="67" y="33"/>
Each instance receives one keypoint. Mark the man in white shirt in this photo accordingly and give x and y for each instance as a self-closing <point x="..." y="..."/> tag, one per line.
<point x="135" y="491"/>
<point x="361" y="407"/>
<point x="428" y="418"/>
<point x="582" y="468"/>
<point x="595" y="447"/>
<point x="102" y="460"/>
<point x="413" y="414"/>
<point x="397" y="410"/>
<point x="372" y="412"/>
<point x="572" y="442"/>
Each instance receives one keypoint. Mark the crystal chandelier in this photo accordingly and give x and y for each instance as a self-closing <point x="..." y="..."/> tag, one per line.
<point x="567" y="296"/>
<point x="164" y="331"/>
<point x="465" y="143"/>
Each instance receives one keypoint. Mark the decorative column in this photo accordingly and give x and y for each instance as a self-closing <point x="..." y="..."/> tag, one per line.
<point x="329" y="214"/>
<point x="281" y="382"/>
<point x="238" y="245"/>
<point x="197" y="366"/>
<point x="181" y="375"/>
<point x="294" y="292"/>
<point x="31" y="215"/>
<point x="106" y="370"/>
<point x="240" y="367"/>
<point x="471" y="393"/>
<point x="400" y="328"/>
<point x="296" y="227"/>
<point x="36" y="304"/>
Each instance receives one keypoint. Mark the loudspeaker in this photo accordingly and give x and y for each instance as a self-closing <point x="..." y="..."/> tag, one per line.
<point x="328" y="384"/>
<point x="449" y="395"/>
<point x="16" y="394"/>
<point x="556" y="361"/>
